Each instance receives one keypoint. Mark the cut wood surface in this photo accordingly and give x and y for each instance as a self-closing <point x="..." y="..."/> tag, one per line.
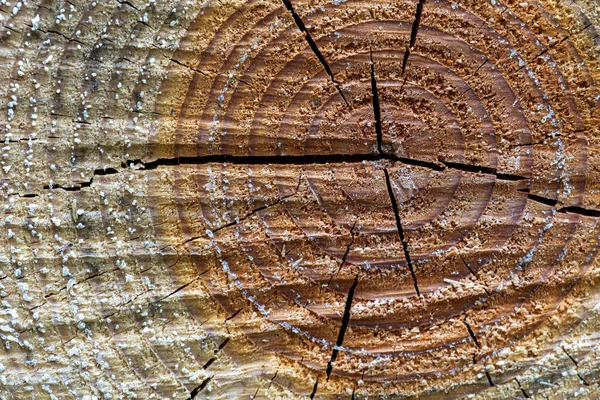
<point x="286" y="199"/>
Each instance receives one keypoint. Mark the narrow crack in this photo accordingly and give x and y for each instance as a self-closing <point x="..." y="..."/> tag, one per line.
<point x="376" y="107"/>
<point x="222" y="345"/>
<point x="343" y="327"/>
<point x="181" y="287"/>
<point x="313" y="46"/>
<point x="237" y="220"/>
<point x="554" y="203"/>
<point x="345" y="253"/>
<point x="400" y="230"/>
<point x="97" y="172"/>
<point x="232" y="316"/>
<point x="471" y="333"/>
<point x="413" y="34"/>
<point x="559" y="43"/>
<point x="199" y="388"/>
<point x="521" y="388"/>
<point x="475" y="275"/>
<point x="489" y="378"/>
<point x="187" y="66"/>
<point x="576" y="366"/>
<point x="314" y="391"/>
<point x="209" y="363"/>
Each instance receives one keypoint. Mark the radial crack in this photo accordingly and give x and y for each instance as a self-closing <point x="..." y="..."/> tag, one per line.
<point x="475" y="275"/>
<point x="413" y="34"/>
<point x="489" y="378"/>
<point x="232" y="316"/>
<point x="553" y="203"/>
<point x="313" y="46"/>
<point x="400" y="230"/>
<point x="181" y="287"/>
<point x="521" y="388"/>
<point x="314" y="391"/>
<point x="343" y="327"/>
<point x="576" y="366"/>
<point x="345" y="253"/>
<point x="376" y="107"/>
<point x="199" y="388"/>
<point x="471" y="333"/>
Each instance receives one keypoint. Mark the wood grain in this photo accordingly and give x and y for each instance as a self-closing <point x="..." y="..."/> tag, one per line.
<point x="283" y="199"/>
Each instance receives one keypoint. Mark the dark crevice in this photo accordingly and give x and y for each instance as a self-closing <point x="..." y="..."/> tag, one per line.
<point x="181" y="287"/>
<point x="62" y="35"/>
<point x="568" y="355"/>
<point x="481" y="66"/>
<point x="559" y="43"/>
<point x="415" y="27"/>
<point x="345" y="253"/>
<point x="376" y="107"/>
<point x="209" y="363"/>
<point x="251" y="213"/>
<point x="400" y="230"/>
<point x="581" y="211"/>
<point x="198" y="389"/>
<point x="576" y="365"/>
<point x="272" y="379"/>
<point x="553" y="203"/>
<point x="254" y="211"/>
<point x="305" y="160"/>
<point x="98" y="172"/>
<point x="129" y="4"/>
<point x="313" y="46"/>
<point x="343" y="327"/>
<point x="475" y="275"/>
<point x="471" y="333"/>
<point x="321" y="159"/>
<point x="222" y="345"/>
<point x="314" y="391"/>
<point x="188" y="67"/>
<point x="483" y="170"/>
<point x="233" y="315"/>
<point x="413" y="34"/>
<point x="489" y="378"/>
<point x="521" y="388"/>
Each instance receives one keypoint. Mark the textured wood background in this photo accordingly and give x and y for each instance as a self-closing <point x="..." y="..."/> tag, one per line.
<point x="299" y="199"/>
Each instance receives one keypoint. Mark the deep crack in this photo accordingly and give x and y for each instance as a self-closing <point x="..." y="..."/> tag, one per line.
<point x="413" y="34"/>
<point x="343" y="327"/>
<point x="471" y="333"/>
<point x="400" y="230"/>
<point x="296" y="160"/>
<point x="376" y="107"/>
<point x="314" y="391"/>
<point x="521" y="388"/>
<point x="554" y="203"/>
<point x="199" y="388"/>
<point x="313" y="46"/>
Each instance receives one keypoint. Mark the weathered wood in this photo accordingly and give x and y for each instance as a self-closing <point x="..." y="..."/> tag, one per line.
<point x="300" y="199"/>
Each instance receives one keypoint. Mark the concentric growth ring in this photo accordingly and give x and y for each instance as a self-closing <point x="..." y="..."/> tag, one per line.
<point x="446" y="266"/>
